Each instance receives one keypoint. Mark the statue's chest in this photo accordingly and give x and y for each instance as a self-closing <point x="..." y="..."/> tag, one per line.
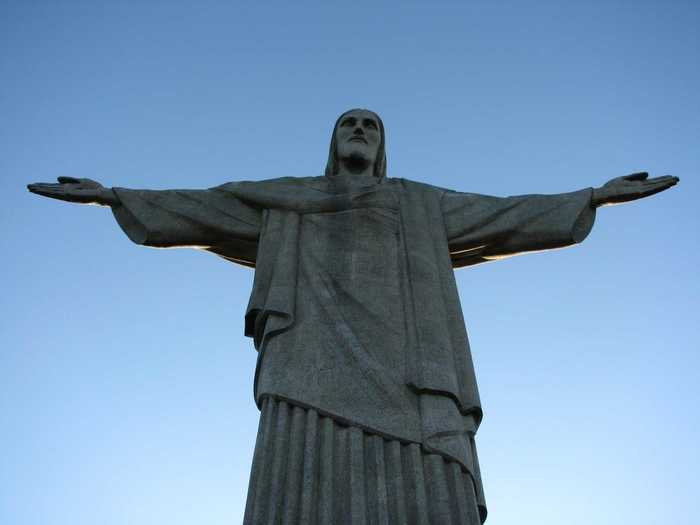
<point x="349" y="295"/>
<point x="358" y="248"/>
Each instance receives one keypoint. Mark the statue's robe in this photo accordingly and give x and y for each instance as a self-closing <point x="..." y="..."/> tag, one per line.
<point x="356" y="318"/>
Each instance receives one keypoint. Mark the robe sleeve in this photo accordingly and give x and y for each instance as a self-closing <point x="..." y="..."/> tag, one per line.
<point x="213" y="220"/>
<point x="481" y="228"/>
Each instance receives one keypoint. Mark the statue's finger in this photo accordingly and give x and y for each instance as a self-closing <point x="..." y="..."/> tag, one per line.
<point x="661" y="182"/>
<point x="68" y="180"/>
<point x="47" y="193"/>
<point x="45" y="187"/>
<point x="47" y="190"/>
<point x="665" y="178"/>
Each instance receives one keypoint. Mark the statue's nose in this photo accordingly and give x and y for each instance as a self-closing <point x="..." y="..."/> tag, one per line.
<point x="359" y="131"/>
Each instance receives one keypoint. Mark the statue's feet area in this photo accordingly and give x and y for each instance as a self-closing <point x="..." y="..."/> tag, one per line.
<point x="310" y="469"/>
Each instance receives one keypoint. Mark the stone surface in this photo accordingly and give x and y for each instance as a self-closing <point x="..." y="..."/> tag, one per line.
<point x="355" y="314"/>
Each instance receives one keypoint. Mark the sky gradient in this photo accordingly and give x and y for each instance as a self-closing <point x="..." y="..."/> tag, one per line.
<point x="125" y="379"/>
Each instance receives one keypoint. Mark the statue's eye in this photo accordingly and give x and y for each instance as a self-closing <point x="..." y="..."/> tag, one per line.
<point x="348" y="122"/>
<point x="370" y="124"/>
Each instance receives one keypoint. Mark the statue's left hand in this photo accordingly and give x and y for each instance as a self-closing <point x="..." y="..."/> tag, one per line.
<point x="71" y="189"/>
<point x="630" y="188"/>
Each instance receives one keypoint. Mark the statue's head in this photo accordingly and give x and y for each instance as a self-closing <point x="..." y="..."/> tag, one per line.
<point x="358" y="134"/>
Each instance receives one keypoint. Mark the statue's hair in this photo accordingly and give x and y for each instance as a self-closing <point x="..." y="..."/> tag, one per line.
<point x="332" y="165"/>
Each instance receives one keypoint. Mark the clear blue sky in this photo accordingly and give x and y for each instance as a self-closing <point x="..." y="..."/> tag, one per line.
<point x="125" y="380"/>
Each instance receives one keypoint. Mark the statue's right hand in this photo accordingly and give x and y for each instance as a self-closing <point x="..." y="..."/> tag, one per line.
<point x="83" y="191"/>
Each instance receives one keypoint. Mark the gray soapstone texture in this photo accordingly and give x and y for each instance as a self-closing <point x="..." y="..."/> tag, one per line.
<point x="354" y="309"/>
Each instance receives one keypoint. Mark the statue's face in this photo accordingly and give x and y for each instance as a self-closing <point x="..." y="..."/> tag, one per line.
<point x="358" y="136"/>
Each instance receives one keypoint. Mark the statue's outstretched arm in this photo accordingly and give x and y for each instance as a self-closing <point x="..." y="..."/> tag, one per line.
<point x="481" y="227"/>
<point x="211" y="219"/>
<point x="81" y="191"/>
<point x="630" y="188"/>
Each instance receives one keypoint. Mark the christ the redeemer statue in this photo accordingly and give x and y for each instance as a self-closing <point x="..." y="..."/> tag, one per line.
<point x="369" y="404"/>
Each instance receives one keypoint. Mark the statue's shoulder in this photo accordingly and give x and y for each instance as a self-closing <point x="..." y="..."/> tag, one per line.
<point x="281" y="182"/>
<point x="293" y="180"/>
<point x="415" y="186"/>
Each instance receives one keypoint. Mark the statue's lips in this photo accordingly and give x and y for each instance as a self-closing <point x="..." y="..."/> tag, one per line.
<point x="357" y="139"/>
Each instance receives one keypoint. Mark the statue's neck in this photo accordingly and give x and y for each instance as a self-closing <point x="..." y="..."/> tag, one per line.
<point x="354" y="172"/>
<point x="358" y="165"/>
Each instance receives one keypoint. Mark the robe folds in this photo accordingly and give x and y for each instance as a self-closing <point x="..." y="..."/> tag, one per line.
<point x="339" y="272"/>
